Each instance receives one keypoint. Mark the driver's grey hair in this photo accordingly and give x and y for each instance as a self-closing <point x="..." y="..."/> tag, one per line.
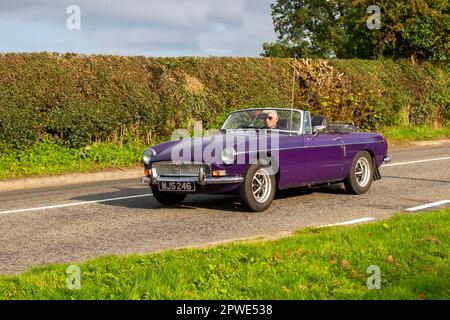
<point x="273" y="112"/>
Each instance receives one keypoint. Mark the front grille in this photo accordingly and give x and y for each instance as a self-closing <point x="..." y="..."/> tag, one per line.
<point x="182" y="169"/>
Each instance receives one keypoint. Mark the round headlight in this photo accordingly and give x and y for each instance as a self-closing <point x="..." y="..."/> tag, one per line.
<point x="148" y="155"/>
<point x="229" y="155"/>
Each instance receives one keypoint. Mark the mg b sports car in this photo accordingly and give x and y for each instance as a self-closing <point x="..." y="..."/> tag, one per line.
<point x="259" y="151"/>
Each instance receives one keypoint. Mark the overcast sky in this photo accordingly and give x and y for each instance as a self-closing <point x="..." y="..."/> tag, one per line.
<point x="138" y="27"/>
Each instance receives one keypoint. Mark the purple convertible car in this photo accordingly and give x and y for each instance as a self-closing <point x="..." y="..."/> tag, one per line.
<point x="259" y="151"/>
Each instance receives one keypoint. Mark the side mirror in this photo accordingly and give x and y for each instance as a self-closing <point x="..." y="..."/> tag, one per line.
<point x="318" y="129"/>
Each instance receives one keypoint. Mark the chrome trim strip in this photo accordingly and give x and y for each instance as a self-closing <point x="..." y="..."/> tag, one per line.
<point x="345" y="144"/>
<point x="311" y="147"/>
<point x="224" y="180"/>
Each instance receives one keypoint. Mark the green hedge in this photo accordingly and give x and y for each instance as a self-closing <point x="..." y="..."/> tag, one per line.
<point x="75" y="100"/>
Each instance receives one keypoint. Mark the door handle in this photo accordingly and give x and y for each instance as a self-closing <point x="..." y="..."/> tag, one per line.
<point x="337" y="139"/>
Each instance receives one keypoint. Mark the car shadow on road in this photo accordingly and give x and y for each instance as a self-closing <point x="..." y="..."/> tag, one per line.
<point x="330" y="189"/>
<point x="135" y="198"/>
<point x="291" y="193"/>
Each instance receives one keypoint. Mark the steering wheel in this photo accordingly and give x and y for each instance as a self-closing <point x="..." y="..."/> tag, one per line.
<point x="249" y="126"/>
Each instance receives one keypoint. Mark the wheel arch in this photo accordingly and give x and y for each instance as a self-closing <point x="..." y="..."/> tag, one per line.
<point x="376" y="171"/>
<point x="372" y="154"/>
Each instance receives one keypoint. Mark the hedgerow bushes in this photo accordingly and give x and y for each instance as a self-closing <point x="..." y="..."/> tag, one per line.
<point x="75" y="100"/>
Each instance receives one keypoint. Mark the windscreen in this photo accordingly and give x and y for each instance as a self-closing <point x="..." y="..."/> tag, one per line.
<point x="269" y="119"/>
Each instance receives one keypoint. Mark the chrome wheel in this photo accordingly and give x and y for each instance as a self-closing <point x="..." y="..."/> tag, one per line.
<point x="261" y="185"/>
<point x="363" y="172"/>
<point x="258" y="189"/>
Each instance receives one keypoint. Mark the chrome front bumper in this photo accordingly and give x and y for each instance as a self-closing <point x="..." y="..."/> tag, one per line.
<point x="201" y="180"/>
<point x="201" y="177"/>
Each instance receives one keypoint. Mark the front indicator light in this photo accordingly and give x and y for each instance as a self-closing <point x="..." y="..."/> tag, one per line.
<point x="219" y="173"/>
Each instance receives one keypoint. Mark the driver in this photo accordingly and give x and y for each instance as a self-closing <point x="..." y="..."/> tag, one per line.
<point x="271" y="120"/>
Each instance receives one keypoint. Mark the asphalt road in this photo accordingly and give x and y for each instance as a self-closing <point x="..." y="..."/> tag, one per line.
<point x="56" y="225"/>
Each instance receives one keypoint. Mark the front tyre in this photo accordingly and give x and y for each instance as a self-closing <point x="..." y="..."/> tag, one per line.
<point x="258" y="189"/>
<point x="361" y="174"/>
<point x="167" y="198"/>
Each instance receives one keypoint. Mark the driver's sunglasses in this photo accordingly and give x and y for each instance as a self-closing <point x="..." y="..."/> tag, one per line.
<point x="269" y="118"/>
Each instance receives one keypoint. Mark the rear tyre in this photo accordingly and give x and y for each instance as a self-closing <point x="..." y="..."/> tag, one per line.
<point x="167" y="198"/>
<point x="258" y="189"/>
<point x="360" y="177"/>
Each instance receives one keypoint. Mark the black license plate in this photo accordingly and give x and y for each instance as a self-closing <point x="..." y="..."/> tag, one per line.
<point x="176" y="186"/>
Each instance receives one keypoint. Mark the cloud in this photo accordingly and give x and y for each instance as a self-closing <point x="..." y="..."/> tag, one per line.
<point x="156" y="27"/>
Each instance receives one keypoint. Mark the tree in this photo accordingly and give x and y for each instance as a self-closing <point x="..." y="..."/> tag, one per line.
<point x="284" y="49"/>
<point x="418" y="29"/>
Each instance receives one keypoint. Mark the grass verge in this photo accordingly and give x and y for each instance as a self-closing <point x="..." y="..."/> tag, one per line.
<point x="412" y="252"/>
<point x="46" y="158"/>
<point x="399" y="135"/>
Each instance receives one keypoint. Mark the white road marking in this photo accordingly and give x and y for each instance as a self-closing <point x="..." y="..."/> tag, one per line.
<point x="412" y="162"/>
<point x="347" y="223"/>
<point x="76" y="204"/>
<point x="429" y="205"/>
